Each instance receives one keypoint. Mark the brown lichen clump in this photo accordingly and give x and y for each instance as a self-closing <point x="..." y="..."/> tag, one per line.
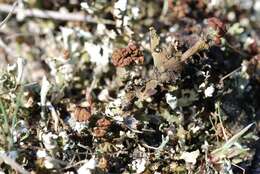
<point x="102" y="127"/>
<point x="99" y="132"/>
<point x="103" y="123"/>
<point x="126" y="56"/>
<point x="82" y="114"/>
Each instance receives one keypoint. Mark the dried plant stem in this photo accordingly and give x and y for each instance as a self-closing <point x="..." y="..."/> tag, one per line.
<point x="9" y="14"/>
<point x="177" y="64"/>
<point x="221" y="124"/>
<point x="229" y="74"/>
<point x="13" y="164"/>
<point x="241" y="168"/>
<point x="199" y="45"/>
<point x="55" y="15"/>
<point x="243" y="54"/>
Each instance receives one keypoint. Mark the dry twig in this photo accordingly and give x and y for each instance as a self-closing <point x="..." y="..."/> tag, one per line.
<point x="9" y="14"/>
<point x="13" y="164"/>
<point x="199" y="45"/>
<point x="55" y="15"/>
<point x="169" y="69"/>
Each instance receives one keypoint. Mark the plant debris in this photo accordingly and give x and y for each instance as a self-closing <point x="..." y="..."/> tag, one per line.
<point x="128" y="87"/>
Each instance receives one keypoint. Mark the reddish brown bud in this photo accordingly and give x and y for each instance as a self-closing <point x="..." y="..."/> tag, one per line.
<point x="217" y="25"/>
<point x="253" y="47"/>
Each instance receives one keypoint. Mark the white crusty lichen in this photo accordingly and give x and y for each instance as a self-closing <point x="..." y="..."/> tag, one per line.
<point x="139" y="165"/>
<point x="75" y="125"/>
<point x="171" y="100"/>
<point x="88" y="166"/>
<point x="209" y="91"/>
<point x="49" y="140"/>
<point x="190" y="157"/>
<point x="46" y="86"/>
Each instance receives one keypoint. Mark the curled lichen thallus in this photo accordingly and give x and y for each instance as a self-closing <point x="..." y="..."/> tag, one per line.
<point x="168" y="69"/>
<point x="163" y="63"/>
<point x="159" y="55"/>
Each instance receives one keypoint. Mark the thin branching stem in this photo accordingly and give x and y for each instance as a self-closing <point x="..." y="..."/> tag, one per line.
<point x="17" y="167"/>
<point x="9" y="14"/>
<point x="201" y="44"/>
<point x="55" y="15"/>
<point x="5" y="116"/>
